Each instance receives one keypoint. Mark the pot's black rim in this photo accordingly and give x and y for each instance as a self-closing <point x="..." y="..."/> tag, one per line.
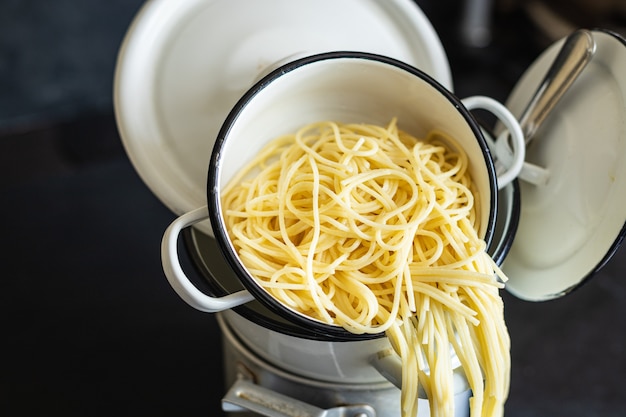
<point x="499" y="249"/>
<point x="215" y="213"/>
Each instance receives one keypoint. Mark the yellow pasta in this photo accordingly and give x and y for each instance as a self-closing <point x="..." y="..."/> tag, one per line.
<point x="369" y="228"/>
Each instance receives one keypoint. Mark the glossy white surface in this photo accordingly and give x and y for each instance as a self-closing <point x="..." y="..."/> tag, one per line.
<point x="568" y="226"/>
<point x="183" y="65"/>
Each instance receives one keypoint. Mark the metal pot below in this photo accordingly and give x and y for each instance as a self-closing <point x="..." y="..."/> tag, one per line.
<point x="260" y="388"/>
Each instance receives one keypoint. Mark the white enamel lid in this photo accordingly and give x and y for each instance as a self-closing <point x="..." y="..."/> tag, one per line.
<point x="571" y="227"/>
<point x="184" y="63"/>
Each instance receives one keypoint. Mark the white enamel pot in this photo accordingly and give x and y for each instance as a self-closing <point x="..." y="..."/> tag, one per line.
<point x="347" y="87"/>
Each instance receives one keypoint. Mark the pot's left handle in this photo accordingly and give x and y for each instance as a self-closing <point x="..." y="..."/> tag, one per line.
<point x="176" y="276"/>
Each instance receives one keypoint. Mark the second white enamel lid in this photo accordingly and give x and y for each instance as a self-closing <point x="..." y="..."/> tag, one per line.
<point x="570" y="227"/>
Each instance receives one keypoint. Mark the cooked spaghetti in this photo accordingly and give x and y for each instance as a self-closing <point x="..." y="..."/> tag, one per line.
<point x="368" y="228"/>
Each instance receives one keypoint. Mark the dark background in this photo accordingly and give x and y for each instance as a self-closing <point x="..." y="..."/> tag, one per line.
<point x="90" y="326"/>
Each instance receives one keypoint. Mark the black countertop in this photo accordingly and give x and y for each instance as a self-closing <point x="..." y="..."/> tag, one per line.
<point x="92" y="328"/>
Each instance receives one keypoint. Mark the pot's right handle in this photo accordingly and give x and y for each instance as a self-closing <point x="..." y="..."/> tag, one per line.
<point x="176" y="276"/>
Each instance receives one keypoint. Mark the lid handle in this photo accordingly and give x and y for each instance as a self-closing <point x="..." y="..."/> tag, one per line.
<point x="176" y="276"/>
<point x="573" y="57"/>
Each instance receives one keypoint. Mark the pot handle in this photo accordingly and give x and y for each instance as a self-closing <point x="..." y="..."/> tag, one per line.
<point x="248" y="396"/>
<point x="507" y="170"/>
<point x="176" y="276"/>
<point x="389" y="365"/>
